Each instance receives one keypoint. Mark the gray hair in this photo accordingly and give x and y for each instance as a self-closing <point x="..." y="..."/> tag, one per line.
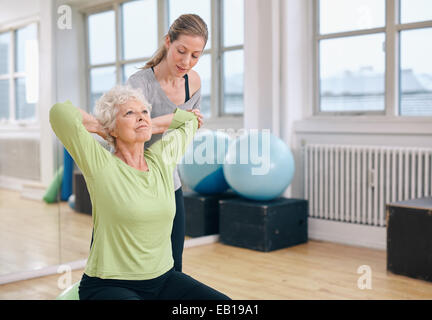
<point x="106" y="107"/>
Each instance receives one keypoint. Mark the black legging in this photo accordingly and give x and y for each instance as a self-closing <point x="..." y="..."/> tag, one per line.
<point x="177" y="233"/>
<point x="172" y="285"/>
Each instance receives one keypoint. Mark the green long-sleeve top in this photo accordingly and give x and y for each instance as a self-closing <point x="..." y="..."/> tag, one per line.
<point x="132" y="210"/>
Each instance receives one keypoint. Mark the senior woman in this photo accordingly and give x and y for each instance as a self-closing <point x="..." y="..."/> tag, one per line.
<point x="132" y="198"/>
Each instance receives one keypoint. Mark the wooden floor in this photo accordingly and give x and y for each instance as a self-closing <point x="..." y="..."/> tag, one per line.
<point x="34" y="234"/>
<point x="315" y="270"/>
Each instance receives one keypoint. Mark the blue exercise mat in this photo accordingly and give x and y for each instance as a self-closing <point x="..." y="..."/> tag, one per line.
<point x="68" y="164"/>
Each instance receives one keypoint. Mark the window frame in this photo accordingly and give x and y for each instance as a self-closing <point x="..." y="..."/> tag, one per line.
<point x="216" y="51"/>
<point x="391" y="30"/>
<point x="12" y="76"/>
<point x="222" y="50"/>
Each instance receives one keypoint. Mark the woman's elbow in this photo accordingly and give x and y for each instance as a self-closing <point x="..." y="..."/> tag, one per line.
<point x="53" y="113"/>
<point x="57" y="116"/>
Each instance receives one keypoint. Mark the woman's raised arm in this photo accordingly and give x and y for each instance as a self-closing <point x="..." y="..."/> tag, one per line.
<point x="71" y="124"/>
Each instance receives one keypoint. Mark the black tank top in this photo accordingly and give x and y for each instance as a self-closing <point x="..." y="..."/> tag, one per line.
<point x="186" y="86"/>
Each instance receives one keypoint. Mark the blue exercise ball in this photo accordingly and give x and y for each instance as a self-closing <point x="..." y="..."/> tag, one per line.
<point x="71" y="201"/>
<point x="201" y="168"/>
<point x="259" y="166"/>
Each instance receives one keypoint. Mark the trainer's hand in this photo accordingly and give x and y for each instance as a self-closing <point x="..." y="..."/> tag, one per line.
<point x="198" y="115"/>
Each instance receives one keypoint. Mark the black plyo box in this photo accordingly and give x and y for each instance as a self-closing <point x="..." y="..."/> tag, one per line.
<point x="263" y="225"/>
<point x="202" y="213"/>
<point x="409" y="238"/>
<point x="82" y="197"/>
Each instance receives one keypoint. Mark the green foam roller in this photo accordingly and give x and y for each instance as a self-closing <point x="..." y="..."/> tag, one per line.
<point x="53" y="190"/>
<point x="70" y="293"/>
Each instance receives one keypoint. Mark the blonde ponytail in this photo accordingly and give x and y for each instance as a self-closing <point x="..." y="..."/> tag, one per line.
<point x="157" y="57"/>
<point x="186" y="24"/>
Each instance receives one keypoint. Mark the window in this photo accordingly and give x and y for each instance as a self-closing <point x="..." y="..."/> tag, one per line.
<point x="114" y="52"/>
<point x="415" y="11"/>
<point x="352" y="79"/>
<point x="363" y="62"/>
<point x="415" y="72"/>
<point x="227" y="81"/>
<point x="19" y="74"/>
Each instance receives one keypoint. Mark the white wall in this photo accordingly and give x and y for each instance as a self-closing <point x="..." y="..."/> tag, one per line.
<point x="12" y="11"/>
<point x="71" y="60"/>
<point x="277" y="68"/>
<point x="47" y="88"/>
<point x="260" y="102"/>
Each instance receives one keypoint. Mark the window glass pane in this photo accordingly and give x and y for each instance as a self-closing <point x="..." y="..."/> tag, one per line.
<point x="130" y="68"/>
<point x="139" y="29"/>
<point x="203" y="67"/>
<point x="415" y="10"/>
<point x="101" y="37"/>
<point x="233" y="81"/>
<point x="233" y="22"/>
<point x="101" y="80"/>
<point x="23" y="36"/>
<point x="416" y="72"/>
<point x="199" y="7"/>
<point x="352" y="78"/>
<point x="5" y="39"/>
<point x="23" y="109"/>
<point x="4" y="99"/>
<point x="349" y="15"/>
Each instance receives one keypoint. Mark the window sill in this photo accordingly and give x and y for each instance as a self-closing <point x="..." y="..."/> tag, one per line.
<point x="22" y="130"/>
<point x="365" y="125"/>
<point x="235" y="123"/>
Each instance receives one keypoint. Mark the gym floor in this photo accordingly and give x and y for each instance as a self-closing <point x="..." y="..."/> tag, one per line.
<point x="315" y="270"/>
<point x="34" y="234"/>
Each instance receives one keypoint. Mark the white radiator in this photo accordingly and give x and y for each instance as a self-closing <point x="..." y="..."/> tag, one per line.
<point x="354" y="183"/>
